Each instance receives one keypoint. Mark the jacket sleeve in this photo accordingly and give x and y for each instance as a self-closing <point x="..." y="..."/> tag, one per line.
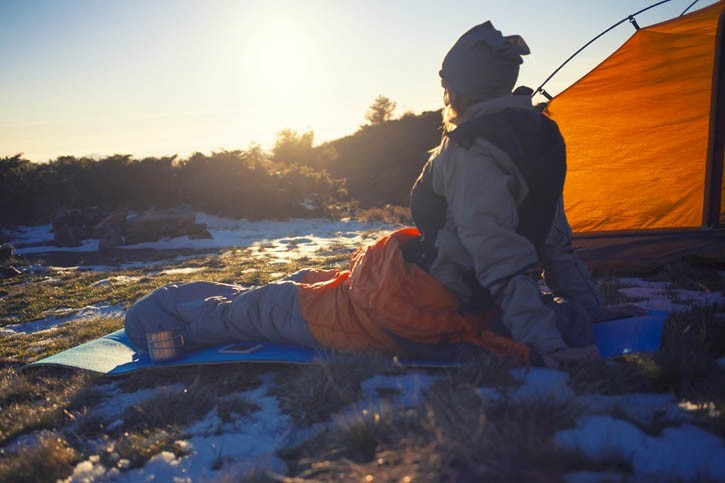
<point x="482" y="199"/>
<point x="564" y="273"/>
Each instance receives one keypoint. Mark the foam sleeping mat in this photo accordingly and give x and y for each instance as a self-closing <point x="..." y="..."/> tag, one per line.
<point x="113" y="354"/>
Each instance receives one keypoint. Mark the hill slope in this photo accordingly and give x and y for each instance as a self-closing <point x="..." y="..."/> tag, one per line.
<point x="381" y="162"/>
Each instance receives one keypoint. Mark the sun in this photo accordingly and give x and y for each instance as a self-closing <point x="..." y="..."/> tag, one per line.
<point x="275" y="69"/>
<point x="279" y="57"/>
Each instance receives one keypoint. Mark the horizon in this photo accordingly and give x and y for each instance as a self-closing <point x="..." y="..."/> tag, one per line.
<point x="174" y="78"/>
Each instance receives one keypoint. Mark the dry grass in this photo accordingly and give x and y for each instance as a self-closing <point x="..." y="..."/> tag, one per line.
<point x="45" y="460"/>
<point x="485" y="370"/>
<point x="685" y="359"/>
<point x="632" y="373"/>
<point x="393" y="214"/>
<point x="609" y="286"/>
<point x="310" y="394"/>
<point x="40" y="401"/>
<point x="682" y="275"/>
<point x="454" y="434"/>
<point x="138" y="447"/>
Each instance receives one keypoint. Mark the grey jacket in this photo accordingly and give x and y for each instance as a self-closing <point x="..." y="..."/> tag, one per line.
<point x="483" y="188"/>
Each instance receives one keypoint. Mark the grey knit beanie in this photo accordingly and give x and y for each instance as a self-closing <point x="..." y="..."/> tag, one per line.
<point x="483" y="63"/>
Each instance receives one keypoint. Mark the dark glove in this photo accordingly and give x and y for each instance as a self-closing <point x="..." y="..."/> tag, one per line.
<point x="574" y="322"/>
<point x="572" y="355"/>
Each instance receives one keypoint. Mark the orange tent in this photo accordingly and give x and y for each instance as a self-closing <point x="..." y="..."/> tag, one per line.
<point x="644" y="133"/>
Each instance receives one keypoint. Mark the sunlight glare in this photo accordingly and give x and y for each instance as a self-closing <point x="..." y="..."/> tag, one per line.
<point x="279" y="60"/>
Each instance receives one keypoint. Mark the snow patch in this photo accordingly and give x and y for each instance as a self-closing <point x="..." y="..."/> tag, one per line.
<point x="281" y="240"/>
<point x="644" y="408"/>
<point x="686" y="452"/>
<point x="22" y="235"/>
<point x="536" y="384"/>
<point x="177" y="271"/>
<point x="215" y="449"/>
<point x="540" y="384"/>
<point x="51" y="322"/>
<point x="661" y="296"/>
<point x="115" y="402"/>
<point x="407" y="388"/>
<point x="91" y="470"/>
<point x="117" y="280"/>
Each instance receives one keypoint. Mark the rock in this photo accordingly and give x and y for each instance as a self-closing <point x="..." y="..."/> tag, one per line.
<point x="115" y="221"/>
<point x="155" y="225"/>
<point x="66" y="235"/>
<point x="70" y="226"/>
<point x="112" y="237"/>
<point x="7" y="251"/>
<point x="111" y="231"/>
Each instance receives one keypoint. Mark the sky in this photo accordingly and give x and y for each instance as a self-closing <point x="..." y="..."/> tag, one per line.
<point x="160" y="77"/>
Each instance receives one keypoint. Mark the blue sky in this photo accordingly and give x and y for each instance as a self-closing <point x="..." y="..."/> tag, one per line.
<point x="175" y="76"/>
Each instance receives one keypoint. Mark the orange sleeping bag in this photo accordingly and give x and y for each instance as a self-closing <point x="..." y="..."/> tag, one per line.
<point x="382" y="297"/>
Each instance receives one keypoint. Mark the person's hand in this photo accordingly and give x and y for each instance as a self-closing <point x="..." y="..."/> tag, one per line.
<point x="620" y="311"/>
<point x="574" y="323"/>
<point x="571" y="355"/>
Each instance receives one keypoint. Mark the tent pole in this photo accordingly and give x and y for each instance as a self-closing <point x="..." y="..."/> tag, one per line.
<point x="715" y="151"/>
<point x="688" y="7"/>
<point x="540" y="89"/>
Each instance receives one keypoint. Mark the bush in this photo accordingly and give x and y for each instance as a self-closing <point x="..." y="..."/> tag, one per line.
<point x="229" y="183"/>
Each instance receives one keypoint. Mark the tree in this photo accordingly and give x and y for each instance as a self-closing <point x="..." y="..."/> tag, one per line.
<point x="380" y="111"/>
<point x="292" y="147"/>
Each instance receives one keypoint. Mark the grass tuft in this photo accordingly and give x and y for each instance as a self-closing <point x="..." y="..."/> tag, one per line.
<point x="40" y="400"/>
<point x="392" y="214"/>
<point x="137" y="448"/>
<point x="310" y="394"/>
<point x="48" y="458"/>
<point x="609" y="286"/>
<point x="169" y="408"/>
<point x="627" y="375"/>
<point x="361" y="433"/>
<point x="685" y="360"/>
<point x="455" y="436"/>
<point x="485" y="370"/>
<point x="683" y="275"/>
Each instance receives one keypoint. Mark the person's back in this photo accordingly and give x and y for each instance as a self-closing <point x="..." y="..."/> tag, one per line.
<point x="499" y="172"/>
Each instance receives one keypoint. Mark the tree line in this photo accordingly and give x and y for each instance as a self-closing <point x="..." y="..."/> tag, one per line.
<point x="373" y="167"/>
<point x="242" y="184"/>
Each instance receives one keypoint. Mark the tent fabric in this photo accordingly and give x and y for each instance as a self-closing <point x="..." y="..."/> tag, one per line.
<point x="641" y="253"/>
<point x="636" y="129"/>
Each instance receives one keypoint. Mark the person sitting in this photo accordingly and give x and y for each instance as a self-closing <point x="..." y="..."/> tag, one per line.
<point x="489" y="204"/>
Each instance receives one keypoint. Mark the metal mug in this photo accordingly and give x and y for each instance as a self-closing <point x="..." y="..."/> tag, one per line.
<point x="164" y="346"/>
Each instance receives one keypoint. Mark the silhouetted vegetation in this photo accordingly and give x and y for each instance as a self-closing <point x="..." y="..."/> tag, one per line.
<point x="291" y="147"/>
<point x="381" y="162"/>
<point x="376" y="167"/>
<point x="233" y="183"/>
<point x="380" y="111"/>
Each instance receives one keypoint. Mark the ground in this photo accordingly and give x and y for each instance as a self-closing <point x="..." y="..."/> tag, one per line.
<point x="355" y="417"/>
